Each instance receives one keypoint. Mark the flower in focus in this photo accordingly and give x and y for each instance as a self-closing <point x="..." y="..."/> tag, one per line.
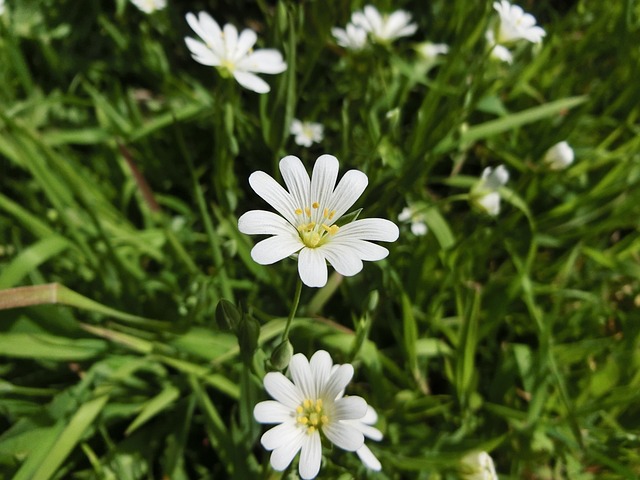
<point x="411" y="214"/>
<point x="306" y="133"/>
<point x="559" y="157"/>
<point x="478" y="466"/>
<point x="429" y="51"/>
<point x="232" y="54"/>
<point x="352" y="37"/>
<point x="307" y="224"/>
<point x="384" y="28"/>
<point x="515" y="24"/>
<point x="484" y="194"/>
<point x="149" y="6"/>
<point x="311" y="404"/>
<point x="498" y="52"/>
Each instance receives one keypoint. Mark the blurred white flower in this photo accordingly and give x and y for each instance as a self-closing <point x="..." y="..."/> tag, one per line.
<point x="232" y="54"/>
<point x="485" y="193"/>
<point x="384" y="28"/>
<point x="429" y="51"/>
<point x="150" y="6"/>
<point x="498" y="52"/>
<point x="2" y="8"/>
<point x="418" y="226"/>
<point x="311" y="404"/>
<point x="307" y="221"/>
<point x="351" y="37"/>
<point x="559" y="157"/>
<point x="478" y="466"/>
<point x="515" y="24"/>
<point x="306" y="133"/>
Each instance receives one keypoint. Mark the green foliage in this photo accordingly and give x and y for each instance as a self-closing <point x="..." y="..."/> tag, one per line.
<point x="138" y="346"/>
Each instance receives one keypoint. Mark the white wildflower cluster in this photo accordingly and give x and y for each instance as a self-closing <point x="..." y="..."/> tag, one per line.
<point x="306" y="133"/>
<point x="313" y="404"/>
<point x="308" y="220"/>
<point x="485" y="194"/>
<point x="514" y="25"/>
<point x="232" y="53"/>
<point x="415" y="217"/>
<point x="370" y="24"/>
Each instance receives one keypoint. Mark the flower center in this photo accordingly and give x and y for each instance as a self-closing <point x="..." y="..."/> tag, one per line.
<point x="311" y="415"/>
<point x="312" y="227"/>
<point x="227" y="65"/>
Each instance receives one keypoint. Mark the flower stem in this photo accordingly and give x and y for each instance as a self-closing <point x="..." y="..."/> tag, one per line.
<point x="294" y="308"/>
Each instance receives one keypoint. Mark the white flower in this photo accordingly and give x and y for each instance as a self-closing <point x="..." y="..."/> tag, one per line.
<point x="485" y="193"/>
<point x="306" y="133"/>
<point x="307" y="225"/>
<point x="351" y="38"/>
<point x="384" y="28"/>
<point x="559" y="157"/>
<point x="149" y="6"/>
<point x="311" y="404"/>
<point x="2" y="7"/>
<point x="365" y="425"/>
<point x="478" y="466"/>
<point x="498" y="52"/>
<point x="515" y="24"/>
<point x="429" y="51"/>
<point x="418" y="226"/>
<point x="232" y="54"/>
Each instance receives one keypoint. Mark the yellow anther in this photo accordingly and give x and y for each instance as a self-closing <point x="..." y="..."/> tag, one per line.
<point x="298" y="211"/>
<point x="303" y="420"/>
<point x="313" y="418"/>
<point x="332" y="214"/>
<point x="325" y="213"/>
<point x="333" y="229"/>
<point x="315" y="204"/>
<point x="324" y="419"/>
<point x="307" y="210"/>
<point x="311" y="429"/>
<point x="299" y="409"/>
<point x="307" y="403"/>
<point x="318" y="404"/>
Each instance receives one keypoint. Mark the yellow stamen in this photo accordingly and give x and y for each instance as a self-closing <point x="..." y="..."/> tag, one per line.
<point x="315" y="204"/>
<point x="324" y="419"/>
<point x="299" y="409"/>
<point x="332" y="214"/>
<point x="325" y="214"/>
<point x="298" y="211"/>
<point x="307" y="210"/>
<point x="311" y="429"/>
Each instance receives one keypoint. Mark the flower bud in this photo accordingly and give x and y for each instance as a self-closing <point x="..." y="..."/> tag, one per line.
<point x="227" y="315"/>
<point x="282" y="355"/>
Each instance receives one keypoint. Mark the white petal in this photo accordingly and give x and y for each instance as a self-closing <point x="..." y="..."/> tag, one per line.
<point x="296" y="127"/>
<point x="280" y="435"/>
<point x="359" y="248"/>
<point x="201" y="53"/>
<point x="312" y="267"/>
<point x="282" y="456"/>
<point x="271" y="411"/>
<point x="344" y="436"/>
<point x="296" y="178"/>
<point x="343" y="258"/>
<point x="273" y="193"/>
<point x="230" y="40"/>
<point x="349" y="408"/>
<point x="251" y="82"/>
<point x="349" y="189"/>
<point x="261" y="222"/>
<point x="274" y="249"/>
<point x="374" y="19"/>
<point x="321" y="365"/>
<point x="282" y="390"/>
<point x="310" y="457"/>
<point x="378" y="229"/>
<point x="370" y="418"/>
<point x="300" y="372"/>
<point x="367" y="430"/>
<point x="246" y="41"/>
<point x="265" y="60"/>
<point x="337" y="382"/>
<point x="209" y="28"/>
<point x="368" y="458"/>
<point x="323" y="181"/>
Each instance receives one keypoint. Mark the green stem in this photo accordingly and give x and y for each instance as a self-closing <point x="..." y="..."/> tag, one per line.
<point x="294" y="309"/>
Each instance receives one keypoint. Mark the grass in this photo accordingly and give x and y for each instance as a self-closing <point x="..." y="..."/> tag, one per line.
<point x="124" y="169"/>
